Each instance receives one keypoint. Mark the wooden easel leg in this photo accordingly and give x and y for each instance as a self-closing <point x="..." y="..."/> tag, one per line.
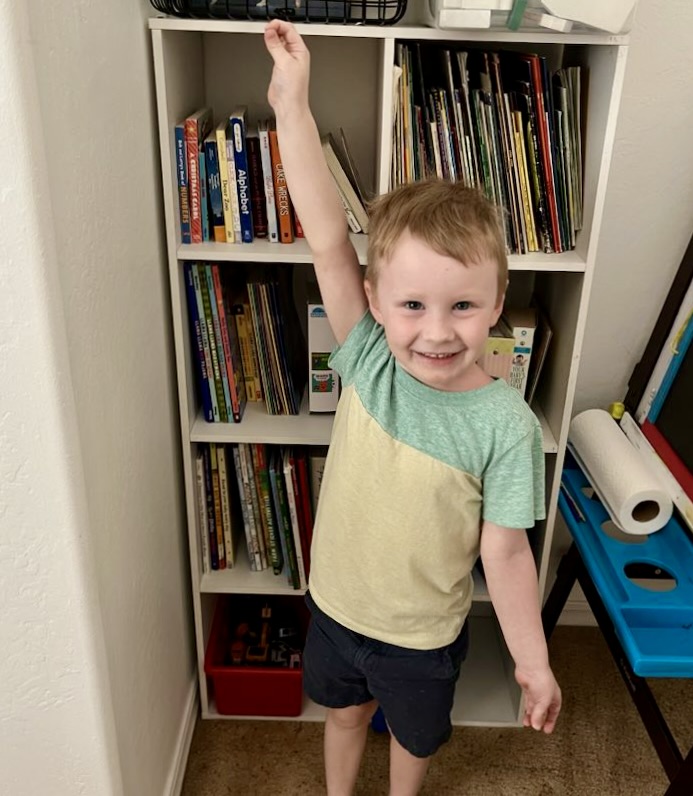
<point x="682" y="783"/>
<point x="560" y="591"/>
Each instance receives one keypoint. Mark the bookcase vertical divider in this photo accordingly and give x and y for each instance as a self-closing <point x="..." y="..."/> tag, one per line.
<point x="385" y="117"/>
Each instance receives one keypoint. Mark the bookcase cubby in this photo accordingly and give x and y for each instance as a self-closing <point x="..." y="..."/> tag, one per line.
<point x="222" y="64"/>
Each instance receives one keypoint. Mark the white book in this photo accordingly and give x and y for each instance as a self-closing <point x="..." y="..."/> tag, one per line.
<point x="233" y="191"/>
<point x="463" y="18"/>
<point x="248" y="516"/>
<point x="293" y="513"/>
<point x="272" y="225"/>
<point x="477" y="5"/>
<point x="538" y="17"/>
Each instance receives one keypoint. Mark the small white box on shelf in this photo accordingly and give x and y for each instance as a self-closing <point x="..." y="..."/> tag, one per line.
<point x="437" y="16"/>
<point x="323" y="382"/>
<point x="478" y="5"/>
<point x="536" y="16"/>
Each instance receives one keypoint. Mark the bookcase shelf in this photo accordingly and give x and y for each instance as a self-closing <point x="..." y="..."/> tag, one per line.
<point x="484" y="697"/>
<point x="260" y="251"/>
<point x="240" y="579"/>
<point x="195" y="64"/>
<point x="301" y="429"/>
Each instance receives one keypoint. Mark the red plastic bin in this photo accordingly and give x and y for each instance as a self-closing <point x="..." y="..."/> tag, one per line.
<point x="249" y="690"/>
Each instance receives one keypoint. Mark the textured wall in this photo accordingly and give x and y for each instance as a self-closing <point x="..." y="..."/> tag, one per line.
<point x="56" y="725"/>
<point x="94" y="76"/>
<point x="648" y="217"/>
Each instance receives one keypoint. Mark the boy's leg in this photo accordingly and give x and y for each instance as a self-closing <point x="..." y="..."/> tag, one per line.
<point x="346" y="730"/>
<point x="407" y="772"/>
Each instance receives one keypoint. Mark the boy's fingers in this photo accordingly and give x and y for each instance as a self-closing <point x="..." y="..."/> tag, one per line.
<point x="282" y="38"/>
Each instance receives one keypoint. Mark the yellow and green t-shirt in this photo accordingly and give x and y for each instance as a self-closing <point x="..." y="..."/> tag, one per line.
<point x="411" y="473"/>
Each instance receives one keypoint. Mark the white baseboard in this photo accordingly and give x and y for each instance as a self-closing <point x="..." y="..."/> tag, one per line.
<point x="577" y="613"/>
<point x="174" y="783"/>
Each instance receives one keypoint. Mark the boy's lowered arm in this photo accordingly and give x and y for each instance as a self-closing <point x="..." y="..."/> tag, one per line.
<point x="310" y="182"/>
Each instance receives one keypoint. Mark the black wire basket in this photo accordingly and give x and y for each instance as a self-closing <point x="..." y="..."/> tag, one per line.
<point x="345" y="12"/>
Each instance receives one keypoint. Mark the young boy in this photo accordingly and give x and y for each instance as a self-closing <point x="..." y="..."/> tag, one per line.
<point x="431" y="462"/>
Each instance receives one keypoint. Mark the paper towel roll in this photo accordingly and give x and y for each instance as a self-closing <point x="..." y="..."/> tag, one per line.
<point x="631" y="494"/>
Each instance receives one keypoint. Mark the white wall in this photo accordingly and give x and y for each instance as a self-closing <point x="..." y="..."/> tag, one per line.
<point x="120" y="456"/>
<point x="57" y="733"/>
<point x="648" y="217"/>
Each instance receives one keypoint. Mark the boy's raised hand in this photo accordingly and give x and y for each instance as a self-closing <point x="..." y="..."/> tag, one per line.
<point x="288" y="89"/>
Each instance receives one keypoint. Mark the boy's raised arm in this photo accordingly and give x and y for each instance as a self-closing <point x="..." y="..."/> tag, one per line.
<point x="310" y="182"/>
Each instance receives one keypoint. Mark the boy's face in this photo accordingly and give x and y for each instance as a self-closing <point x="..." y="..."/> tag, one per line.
<point x="436" y="313"/>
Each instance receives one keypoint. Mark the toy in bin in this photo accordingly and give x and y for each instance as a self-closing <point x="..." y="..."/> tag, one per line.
<point x="253" y="660"/>
<point x="261" y="639"/>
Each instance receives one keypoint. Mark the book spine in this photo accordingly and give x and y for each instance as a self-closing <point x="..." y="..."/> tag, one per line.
<point x="191" y="144"/>
<point x="293" y="513"/>
<point x="204" y="333"/>
<point x="251" y="502"/>
<point x="266" y="159"/>
<point x="246" y="340"/>
<point x="233" y="191"/>
<point x="216" y="496"/>
<point x="253" y="553"/>
<point x="281" y="192"/>
<point x="216" y="204"/>
<point x="203" y="524"/>
<point x="283" y="521"/>
<point x="298" y="229"/>
<point x="258" y="204"/>
<point x="213" y="346"/>
<point x="240" y="153"/>
<point x="225" y="505"/>
<point x="182" y="174"/>
<point x="234" y="390"/>
<point x="216" y="323"/>
<point x="225" y="186"/>
<point x="195" y="330"/>
<point x="262" y="476"/>
<point x="303" y="521"/>
<point x="209" y="497"/>
<point x="204" y="199"/>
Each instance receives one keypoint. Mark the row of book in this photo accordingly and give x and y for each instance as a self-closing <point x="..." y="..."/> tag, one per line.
<point x="265" y="494"/>
<point x="496" y="121"/>
<point x="246" y="342"/>
<point x="231" y="184"/>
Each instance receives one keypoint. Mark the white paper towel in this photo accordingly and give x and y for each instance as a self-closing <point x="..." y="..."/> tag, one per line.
<point x="631" y="494"/>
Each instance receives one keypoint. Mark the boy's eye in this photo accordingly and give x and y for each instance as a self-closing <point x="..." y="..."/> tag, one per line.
<point x="463" y="305"/>
<point x="413" y="305"/>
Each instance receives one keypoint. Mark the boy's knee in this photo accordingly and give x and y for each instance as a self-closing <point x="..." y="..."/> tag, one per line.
<point x="354" y="716"/>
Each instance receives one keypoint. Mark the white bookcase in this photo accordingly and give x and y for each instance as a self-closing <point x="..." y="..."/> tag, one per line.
<point x="222" y="64"/>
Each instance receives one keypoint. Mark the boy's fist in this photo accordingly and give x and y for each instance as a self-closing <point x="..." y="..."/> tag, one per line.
<point x="288" y="89"/>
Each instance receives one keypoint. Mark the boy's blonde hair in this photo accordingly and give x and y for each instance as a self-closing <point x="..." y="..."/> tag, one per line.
<point x="453" y="220"/>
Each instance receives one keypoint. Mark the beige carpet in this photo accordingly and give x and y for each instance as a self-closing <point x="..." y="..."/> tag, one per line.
<point x="599" y="748"/>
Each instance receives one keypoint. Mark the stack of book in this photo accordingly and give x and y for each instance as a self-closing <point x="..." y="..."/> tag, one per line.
<point x="245" y="343"/>
<point x="231" y="184"/>
<point x="516" y="348"/>
<point x="265" y="494"/>
<point x="498" y="122"/>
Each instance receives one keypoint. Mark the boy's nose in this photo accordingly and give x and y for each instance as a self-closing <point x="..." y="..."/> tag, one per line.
<point x="438" y="330"/>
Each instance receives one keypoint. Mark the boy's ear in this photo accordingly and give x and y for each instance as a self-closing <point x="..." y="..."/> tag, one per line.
<point x="372" y="296"/>
<point x="497" y="310"/>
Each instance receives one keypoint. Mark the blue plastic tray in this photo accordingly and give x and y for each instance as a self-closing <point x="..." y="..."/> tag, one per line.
<point x="655" y="628"/>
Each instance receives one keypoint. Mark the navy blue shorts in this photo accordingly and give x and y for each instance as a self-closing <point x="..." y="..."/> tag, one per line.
<point x="415" y="688"/>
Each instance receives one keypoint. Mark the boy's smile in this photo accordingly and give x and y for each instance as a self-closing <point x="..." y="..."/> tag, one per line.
<point x="436" y="313"/>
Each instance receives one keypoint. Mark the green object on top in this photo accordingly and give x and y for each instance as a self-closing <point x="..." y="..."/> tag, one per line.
<point x="516" y="14"/>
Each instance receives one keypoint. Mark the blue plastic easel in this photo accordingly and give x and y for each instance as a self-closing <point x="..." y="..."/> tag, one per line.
<point x="649" y="633"/>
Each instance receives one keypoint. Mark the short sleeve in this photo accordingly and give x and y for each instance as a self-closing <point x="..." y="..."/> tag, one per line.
<point x="364" y="343"/>
<point x="513" y="485"/>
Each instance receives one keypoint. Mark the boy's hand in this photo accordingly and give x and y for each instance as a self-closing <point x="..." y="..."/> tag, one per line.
<point x="288" y="89"/>
<point x="542" y="698"/>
